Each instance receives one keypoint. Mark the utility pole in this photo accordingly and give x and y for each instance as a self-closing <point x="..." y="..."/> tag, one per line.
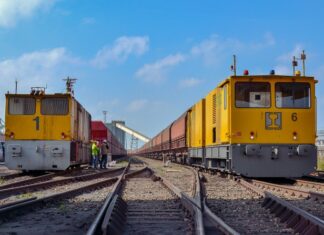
<point x="16" y="86"/>
<point x="105" y="115"/>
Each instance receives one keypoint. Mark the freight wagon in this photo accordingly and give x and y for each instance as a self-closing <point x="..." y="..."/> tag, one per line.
<point x="251" y="125"/>
<point x="100" y="132"/>
<point x="46" y="131"/>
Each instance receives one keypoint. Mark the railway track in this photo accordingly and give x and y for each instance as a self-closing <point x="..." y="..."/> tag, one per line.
<point x="308" y="201"/>
<point x="285" y="215"/>
<point x="239" y="207"/>
<point x="20" y="179"/>
<point x="43" y="189"/>
<point x="144" y="202"/>
<point x="175" y="173"/>
<point x="70" y="211"/>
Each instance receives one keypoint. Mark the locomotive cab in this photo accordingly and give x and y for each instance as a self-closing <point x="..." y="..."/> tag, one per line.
<point x="45" y="131"/>
<point x="273" y="126"/>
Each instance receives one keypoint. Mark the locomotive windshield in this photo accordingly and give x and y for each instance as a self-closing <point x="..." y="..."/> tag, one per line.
<point x="55" y="106"/>
<point x="21" y="105"/>
<point x="252" y="94"/>
<point x="292" y="95"/>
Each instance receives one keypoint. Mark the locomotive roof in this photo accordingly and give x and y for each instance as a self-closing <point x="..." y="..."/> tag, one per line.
<point x="40" y="95"/>
<point x="266" y="77"/>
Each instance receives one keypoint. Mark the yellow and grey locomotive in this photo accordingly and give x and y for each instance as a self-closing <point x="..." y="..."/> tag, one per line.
<point x="46" y="131"/>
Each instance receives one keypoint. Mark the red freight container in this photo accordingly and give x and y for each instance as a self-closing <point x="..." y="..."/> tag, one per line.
<point x="178" y="132"/>
<point x="99" y="131"/>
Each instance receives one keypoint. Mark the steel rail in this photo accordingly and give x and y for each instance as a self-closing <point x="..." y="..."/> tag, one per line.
<point x="45" y="177"/>
<point x="212" y="223"/>
<point x="11" y="176"/>
<point x="287" y="189"/>
<point x="299" y="220"/>
<point x="95" y="227"/>
<point x="311" y="184"/>
<point x="205" y="219"/>
<point x="67" y="194"/>
<point x="17" y="202"/>
<point x="29" y="181"/>
<point x="51" y="183"/>
<point x="104" y="217"/>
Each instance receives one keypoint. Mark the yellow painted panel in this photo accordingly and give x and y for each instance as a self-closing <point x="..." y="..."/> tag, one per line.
<point x="224" y="116"/>
<point x="210" y="117"/>
<point x="247" y="120"/>
<point x="196" y="125"/>
<point x="37" y="126"/>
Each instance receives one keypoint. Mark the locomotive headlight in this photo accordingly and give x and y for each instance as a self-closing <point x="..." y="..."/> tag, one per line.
<point x="252" y="135"/>
<point x="295" y="135"/>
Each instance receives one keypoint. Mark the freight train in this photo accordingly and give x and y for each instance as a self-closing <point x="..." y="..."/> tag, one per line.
<point x="46" y="131"/>
<point x="250" y="125"/>
<point x="100" y="132"/>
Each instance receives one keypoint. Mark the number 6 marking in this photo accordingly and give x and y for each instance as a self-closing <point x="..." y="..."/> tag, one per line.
<point x="294" y="117"/>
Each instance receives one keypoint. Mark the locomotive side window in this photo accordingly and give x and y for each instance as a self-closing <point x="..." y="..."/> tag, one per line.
<point x="252" y="95"/>
<point x="55" y="106"/>
<point x="22" y="106"/>
<point x="292" y="95"/>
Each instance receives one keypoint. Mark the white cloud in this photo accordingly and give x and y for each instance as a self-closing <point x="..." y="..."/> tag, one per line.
<point x="190" y="82"/>
<point x="137" y="105"/>
<point x="88" y="21"/>
<point x="34" y="69"/>
<point x="155" y="72"/>
<point x="284" y="61"/>
<point x="13" y="10"/>
<point x="283" y="70"/>
<point x="121" y="50"/>
<point x="287" y="57"/>
<point x="214" y="49"/>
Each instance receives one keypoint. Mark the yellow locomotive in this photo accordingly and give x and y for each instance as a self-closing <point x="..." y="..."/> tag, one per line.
<point x="252" y="125"/>
<point x="260" y="126"/>
<point x="46" y="131"/>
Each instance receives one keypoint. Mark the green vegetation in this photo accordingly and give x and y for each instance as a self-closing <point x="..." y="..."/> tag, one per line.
<point x="2" y="180"/>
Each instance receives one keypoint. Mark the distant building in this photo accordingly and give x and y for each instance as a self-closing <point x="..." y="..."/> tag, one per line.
<point x="118" y="133"/>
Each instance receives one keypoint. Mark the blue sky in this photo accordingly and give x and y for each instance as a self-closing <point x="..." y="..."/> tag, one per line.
<point x="146" y="61"/>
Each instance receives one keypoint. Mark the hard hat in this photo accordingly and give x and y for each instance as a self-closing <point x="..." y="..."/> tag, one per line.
<point x="297" y="73"/>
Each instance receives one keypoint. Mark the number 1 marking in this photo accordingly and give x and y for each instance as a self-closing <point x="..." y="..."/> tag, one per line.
<point x="36" y="119"/>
